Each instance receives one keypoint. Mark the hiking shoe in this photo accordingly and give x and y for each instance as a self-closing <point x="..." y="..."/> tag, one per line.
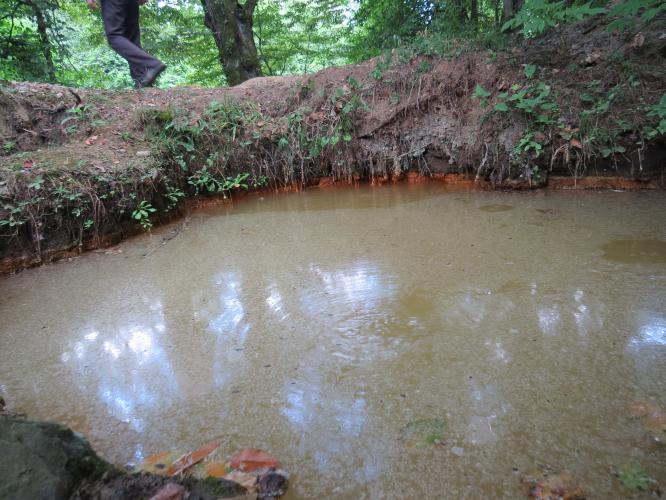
<point x="150" y="76"/>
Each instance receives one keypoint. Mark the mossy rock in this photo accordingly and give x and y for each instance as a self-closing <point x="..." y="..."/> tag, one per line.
<point x="41" y="460"/>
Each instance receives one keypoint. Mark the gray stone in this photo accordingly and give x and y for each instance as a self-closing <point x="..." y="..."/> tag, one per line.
<point x="43" y="460"/>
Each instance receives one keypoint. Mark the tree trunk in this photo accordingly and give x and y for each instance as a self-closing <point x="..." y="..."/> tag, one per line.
<point x="231" y="25"/>
<point x="45" y="42"/>
<point x="474" y="14"/>
<point x="511" y="8"/>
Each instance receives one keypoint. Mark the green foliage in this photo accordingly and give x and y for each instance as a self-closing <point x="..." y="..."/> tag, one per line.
<point x="626" y="11"/>
<point x="292" y="36"/>
<point x="173" y="196"/>
<point x="207" y="181"/>
<point x="299" y="36"/>
<point x="658" y="112"/>
<point x="535" y="105"/>
<point x="537" y="16"/>
<point x="528" y="143"/>
<point x="481" y="94"/>
<point x="142" y="214"/>
<point x="529" y="70"/>
<point x="17" y="216"/>
<point x="418" y="27"/>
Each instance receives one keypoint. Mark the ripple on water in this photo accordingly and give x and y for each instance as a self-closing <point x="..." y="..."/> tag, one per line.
<point x="648" y="251"/>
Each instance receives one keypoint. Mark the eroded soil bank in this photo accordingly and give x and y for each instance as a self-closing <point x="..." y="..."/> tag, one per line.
<point x="83" y="167"/>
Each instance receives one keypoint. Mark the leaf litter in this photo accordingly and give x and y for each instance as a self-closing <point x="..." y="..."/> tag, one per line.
<point x="256" y="470"/>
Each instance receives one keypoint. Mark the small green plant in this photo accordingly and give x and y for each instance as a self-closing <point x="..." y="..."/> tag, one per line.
<point x="657" y="111"/>
<point x="528" y="143"/>
<point x="382" y="64"/>
<point x="16" y="217"/>
<point x="260" y="181"/>
<point x="204" y="180"/>
<point x="534" y="100"/>
<point x="353" y="83"/>
<point x="8" y="146"/>
<point x="529" y="70"/>
<point x="142" y="214"/>
<point x="36" y="183"/>
<point x="481" y="94"/>
<point x="173" y="196"/>
<point x="126" y="136"/>
<point x="601" y="105"/>
<point x="424" y="67"/>
<point x="77" y="114"/>
<point x="236" y="182"/>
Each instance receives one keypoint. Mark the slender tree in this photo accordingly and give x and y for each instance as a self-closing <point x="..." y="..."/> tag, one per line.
<point x="28" y="25"/>
<point x="45" y="42"/>
<point x="231" y="25"/>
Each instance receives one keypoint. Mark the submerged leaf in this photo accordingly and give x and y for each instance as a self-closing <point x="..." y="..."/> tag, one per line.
<point x="651" y="416"/>
<point x="424" y="432"/>
<point x="251" y="459"/>
<point x="215" y="469"/>
<point x="158" y="463"/>
<point x="546" y="484"/>
<point x="189" y="459"/>
<point x="635" y="478"/>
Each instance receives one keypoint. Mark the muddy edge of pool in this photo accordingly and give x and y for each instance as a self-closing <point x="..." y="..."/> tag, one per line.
<point x="21" y="259"/>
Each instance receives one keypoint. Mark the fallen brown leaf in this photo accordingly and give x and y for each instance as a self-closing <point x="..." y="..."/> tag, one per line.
<point x="251" y="459"/>
<point x="192" y="458"/>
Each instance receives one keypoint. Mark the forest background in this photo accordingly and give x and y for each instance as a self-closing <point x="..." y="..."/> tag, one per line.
<point x="62" y="41"/>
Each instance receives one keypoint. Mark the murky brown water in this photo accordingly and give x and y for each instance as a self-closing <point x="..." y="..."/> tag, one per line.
<point x="320" y="326"/>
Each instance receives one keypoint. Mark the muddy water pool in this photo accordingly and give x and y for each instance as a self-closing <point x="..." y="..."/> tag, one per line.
<point x="326" y="327"/>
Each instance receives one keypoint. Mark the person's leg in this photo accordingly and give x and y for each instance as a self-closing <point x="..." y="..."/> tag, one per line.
<point x="116" y="14"/>
<point x="133" y="34"/>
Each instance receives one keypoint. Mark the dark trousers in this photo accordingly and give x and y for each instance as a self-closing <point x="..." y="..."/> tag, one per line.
<point x="121" y="24"/>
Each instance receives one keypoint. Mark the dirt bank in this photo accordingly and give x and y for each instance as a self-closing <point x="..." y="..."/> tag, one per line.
<point x="84" y="167"/>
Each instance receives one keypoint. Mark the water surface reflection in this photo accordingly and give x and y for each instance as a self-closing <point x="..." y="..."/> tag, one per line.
<point x="320" y="326"/>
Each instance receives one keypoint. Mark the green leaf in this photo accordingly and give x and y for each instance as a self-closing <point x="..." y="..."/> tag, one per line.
<point x="529" y="70"/>
<point x="501" y="106"/>
<point x="479" y="91"/>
